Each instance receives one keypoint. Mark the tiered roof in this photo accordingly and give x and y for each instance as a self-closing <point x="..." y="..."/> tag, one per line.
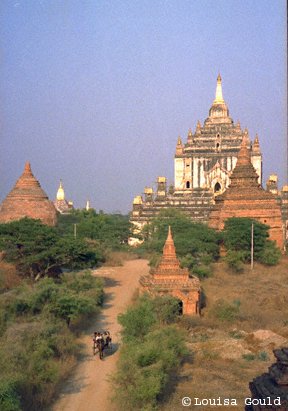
<point x="169" y="274"/>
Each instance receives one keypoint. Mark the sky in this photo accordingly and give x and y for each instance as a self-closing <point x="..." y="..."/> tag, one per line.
<point x="96" y="92"/>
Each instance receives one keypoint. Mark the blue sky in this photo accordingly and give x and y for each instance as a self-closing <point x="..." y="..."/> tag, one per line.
<point x="97" y="92"/>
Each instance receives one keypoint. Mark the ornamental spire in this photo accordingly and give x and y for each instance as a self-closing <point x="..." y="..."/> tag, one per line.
<point x="60" y="193"/>
<point x="218" y="94"/>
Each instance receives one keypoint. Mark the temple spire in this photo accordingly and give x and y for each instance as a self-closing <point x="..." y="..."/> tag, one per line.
<point x="218" y="94"/>
<point x="60" y="193"/>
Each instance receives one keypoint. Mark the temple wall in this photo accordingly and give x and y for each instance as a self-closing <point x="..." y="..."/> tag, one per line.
<point x="178" y="173"/>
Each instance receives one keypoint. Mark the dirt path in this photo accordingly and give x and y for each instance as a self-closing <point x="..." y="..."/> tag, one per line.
<point x="88" y="389"/>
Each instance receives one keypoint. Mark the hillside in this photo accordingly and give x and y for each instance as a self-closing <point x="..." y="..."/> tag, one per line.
<point x="228" y="349"/>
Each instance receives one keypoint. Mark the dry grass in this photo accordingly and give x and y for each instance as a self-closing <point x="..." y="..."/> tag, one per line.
<point x="8" y="276"/>
<point x="226" y="355"/>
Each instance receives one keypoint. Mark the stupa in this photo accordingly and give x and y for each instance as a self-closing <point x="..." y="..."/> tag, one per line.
<point x="169" y="278"/>
<point x="28" y="199"/>
<point x="246" y="198"/>
<point x="61" y="204"/>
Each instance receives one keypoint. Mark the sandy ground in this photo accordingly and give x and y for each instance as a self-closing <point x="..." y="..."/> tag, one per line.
<point x="88" y="388"/>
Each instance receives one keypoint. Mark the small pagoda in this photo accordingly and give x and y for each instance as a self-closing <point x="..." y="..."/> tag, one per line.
<point x="28" y="199"/>
<point x="170" y="279"/>
<point x="272" y="387"/>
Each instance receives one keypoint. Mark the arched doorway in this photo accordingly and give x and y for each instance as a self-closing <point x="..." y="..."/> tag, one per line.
<point x="180" y="307"/>
<point x="217" y="187"/>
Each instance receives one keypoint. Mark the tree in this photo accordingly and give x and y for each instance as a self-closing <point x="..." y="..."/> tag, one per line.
<point x="38" y="250"/>
<point x="71" y="305"/>
<point x="237" y="237"/>
<point x="112" y="230"/>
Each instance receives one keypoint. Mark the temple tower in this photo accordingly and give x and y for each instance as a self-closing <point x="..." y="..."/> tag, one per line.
<point x="210" y="154"/>
<point x="246" y="198"/>
<point x="170" y="278"/>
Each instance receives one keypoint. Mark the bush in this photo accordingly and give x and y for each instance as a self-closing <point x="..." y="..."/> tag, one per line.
<point x="203" y="271"/>
<point x="271" y="254"/>
<point x="9" y="399"/>
<point x="150" y="353"/>
<point x="235" y="260"/>
<point x="225" y="311"/>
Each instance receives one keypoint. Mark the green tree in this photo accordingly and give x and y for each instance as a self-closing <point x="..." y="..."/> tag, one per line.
<point x="237" y="237"/>
<point x="38" y="250"/>
<point x="112" y="230"/>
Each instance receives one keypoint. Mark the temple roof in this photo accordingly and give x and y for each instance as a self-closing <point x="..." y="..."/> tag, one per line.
<point x="27" y="199"/>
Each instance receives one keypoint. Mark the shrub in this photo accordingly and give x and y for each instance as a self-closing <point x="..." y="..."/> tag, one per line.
<point x="249" y="357"/>
<point x="203" y="271"/>
<point x="263" y="356"/>
<point x="150" y="353"/>
<point x="225" y="311"/>
<point x="138" y="320"/>
<point x="270" y="255"/>
<point x="9" y="399"/>
<point x="235" y="260"/>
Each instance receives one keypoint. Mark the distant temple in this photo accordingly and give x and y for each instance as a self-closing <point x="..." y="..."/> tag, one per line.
<point x="169" y="278"/>
<point x="270" y="390"/>
<point x="27" y="199"/>
<point x="203" y="167"/>
<point x="246" y="198"/>
<point x="61" y="204"/>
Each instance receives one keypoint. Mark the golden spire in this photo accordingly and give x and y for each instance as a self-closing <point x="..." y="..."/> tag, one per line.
<point x="218" y="94"/>
<point x="60" y="196"/>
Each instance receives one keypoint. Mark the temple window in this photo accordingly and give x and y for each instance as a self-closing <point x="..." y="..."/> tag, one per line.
<point x="187" y="184"/>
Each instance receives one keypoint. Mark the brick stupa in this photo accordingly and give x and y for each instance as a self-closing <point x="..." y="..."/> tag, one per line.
<point x="169" y="278"/>
<point x="246" y="198"/>
<point x="27" y="199"/>
<point x="270" y="390"/>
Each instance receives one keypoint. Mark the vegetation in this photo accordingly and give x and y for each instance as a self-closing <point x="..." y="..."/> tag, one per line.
<point x="38" y="250"/>
<point x="36" y="346"/>
<point x="111" y="230"/>
<point x="237" y="239"/>
<point x="153" y="349"/>
<point x="197" y="245"/>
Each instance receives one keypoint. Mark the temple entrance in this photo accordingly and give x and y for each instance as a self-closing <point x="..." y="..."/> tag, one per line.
<point x="180" y="307"/>
<point x="217" y="187"/>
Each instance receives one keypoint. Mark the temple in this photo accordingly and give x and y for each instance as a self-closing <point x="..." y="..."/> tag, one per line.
<point x="246" y="198"/>
<point x="27" y="199"/>
<point x="61" y="204"/>
<point x="270" y="390"/>
<point x="203" y="169"/>
<point x="169" y="278"/>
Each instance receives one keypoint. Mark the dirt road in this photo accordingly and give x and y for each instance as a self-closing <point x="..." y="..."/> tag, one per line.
<point x="88" y="389"/>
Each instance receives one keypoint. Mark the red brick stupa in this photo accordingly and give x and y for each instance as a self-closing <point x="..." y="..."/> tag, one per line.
<point x="27" y="199"/>
<point x="169" y="278"/>
<point x="246" y="198"/>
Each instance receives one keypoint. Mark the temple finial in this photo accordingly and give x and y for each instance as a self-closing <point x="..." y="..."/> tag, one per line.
<point x="27" y="167"/>
<point x="60" y="196"/>
<point x="218" y="94"/>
